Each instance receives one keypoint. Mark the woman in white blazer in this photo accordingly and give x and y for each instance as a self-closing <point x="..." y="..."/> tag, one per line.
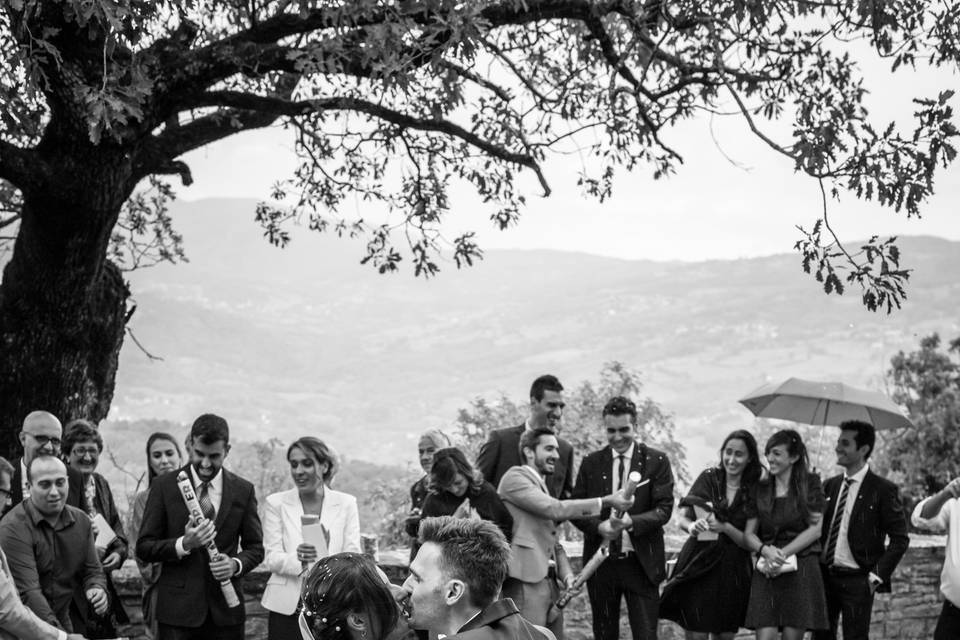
<point x="312" y="466"/>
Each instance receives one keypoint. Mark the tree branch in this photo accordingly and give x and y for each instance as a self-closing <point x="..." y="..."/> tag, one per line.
<point x="276" y="107"/>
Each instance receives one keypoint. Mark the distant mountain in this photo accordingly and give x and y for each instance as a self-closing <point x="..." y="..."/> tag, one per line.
<point x="307" y="341"/>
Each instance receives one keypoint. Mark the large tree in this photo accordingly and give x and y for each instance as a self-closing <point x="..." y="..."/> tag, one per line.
<point x="393" y="101"/>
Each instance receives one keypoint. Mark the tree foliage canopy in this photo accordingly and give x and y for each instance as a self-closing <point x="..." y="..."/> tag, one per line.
<point x="927" y="383"/>
<point x="393" y="100"/>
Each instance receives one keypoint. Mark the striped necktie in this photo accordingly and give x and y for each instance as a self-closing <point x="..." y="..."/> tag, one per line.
<point x="206" y="505"/>
<point x="831" y="549"/>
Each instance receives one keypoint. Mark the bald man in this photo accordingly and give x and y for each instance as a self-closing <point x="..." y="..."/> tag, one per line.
<point x="40" y="435"/>
<point x="50" y="548"/>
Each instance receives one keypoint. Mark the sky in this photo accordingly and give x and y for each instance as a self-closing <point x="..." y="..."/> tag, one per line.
<point x="733" y="197"/>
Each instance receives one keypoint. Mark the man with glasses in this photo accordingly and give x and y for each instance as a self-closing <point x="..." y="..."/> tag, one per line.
<point x="40" y="435"/>
<point x="636" y="564"/>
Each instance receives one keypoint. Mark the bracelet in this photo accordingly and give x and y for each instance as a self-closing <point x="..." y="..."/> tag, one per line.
<point x="760" y="550"/>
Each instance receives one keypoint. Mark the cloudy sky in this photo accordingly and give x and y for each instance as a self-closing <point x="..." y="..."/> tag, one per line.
<point x="733" y="197"/>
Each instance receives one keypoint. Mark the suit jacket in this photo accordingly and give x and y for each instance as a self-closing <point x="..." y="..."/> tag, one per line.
<point x="282" y="533"/>
<point x="535" y="514"/>
<point x="501" y="620"/>
<point x="652" y="506"/>
<point x="502" y="451"/>
<point x="16" y="620"/>
<point x="75" y="495"/>
<point x="186" y="590"/>
<point x="877" y="514"/>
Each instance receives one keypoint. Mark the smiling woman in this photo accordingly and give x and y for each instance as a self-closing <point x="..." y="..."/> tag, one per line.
<point x="82" y="446"/>
<point x="289" y="519"/>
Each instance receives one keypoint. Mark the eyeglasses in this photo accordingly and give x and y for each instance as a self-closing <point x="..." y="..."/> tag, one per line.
<point x="42" y="440"/>
<point x="85" y="451"/>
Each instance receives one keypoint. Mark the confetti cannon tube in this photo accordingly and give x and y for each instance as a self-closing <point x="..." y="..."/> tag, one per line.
<point x="193" y="507"/>
<point x="633" y="481"/>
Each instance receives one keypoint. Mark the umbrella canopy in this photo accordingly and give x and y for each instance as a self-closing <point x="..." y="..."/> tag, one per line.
<point x="823" y="403"/>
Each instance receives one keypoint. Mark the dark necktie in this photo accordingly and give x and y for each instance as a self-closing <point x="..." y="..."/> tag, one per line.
<point x="835" y="523"/>
<point x="616" y="545"/>
<point x="206" y="505"/>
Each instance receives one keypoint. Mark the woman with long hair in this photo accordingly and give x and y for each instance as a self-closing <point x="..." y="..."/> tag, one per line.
<point x="163" y="456"/>
<point x="457" y="489"/>
<point x="312" y="465"/>
<point x="786" y="594"/>
<point x="708" y="592"/>
<point x="345" y="597"/>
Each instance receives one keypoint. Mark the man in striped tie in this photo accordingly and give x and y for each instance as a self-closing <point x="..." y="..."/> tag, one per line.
<point x="862" y="511"/>
<point x="190" y="603"/>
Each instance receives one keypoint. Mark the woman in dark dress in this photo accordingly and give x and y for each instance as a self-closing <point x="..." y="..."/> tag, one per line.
<point x="710" y="585"/>
<point x="786" y="594"/>
<point x="459" y="490"/>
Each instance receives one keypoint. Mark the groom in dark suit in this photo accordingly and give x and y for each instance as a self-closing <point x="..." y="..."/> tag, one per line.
<point x="861" y="511"/>
<point x="502" y="448"/>
<point x="190" y="604"/>
<point x="636" y="564"/>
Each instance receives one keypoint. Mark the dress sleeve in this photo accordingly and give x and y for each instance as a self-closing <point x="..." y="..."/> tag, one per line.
<point x="702" y="489"/>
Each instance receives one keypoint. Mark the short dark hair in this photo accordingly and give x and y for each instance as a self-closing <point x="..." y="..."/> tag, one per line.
<point x="36" y="459"/>
<point x="342" y="584"/>
<point x="474" y="551"/>
<point x="319" y="451"/>
<point x="447" y="463"/>
<point x="210" y="428"/>
<point x="544" y="383"/>
<point x="866" y="434"/>
<point x="619" y="406"/>
<point x="77" y="431"/>
<point x="530" y="438"/>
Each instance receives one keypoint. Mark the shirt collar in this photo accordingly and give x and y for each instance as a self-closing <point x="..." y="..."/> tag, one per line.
<point x="627" y="455"/>
<point x="859" y="475"/>
<point x="64" y="519"/>
<point x="216" y="484"/>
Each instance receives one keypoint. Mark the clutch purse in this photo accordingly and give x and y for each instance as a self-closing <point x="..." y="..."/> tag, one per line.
<point x="789" y="566"/>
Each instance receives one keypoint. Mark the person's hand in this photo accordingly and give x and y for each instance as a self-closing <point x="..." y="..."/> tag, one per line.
<point x="715" y="525"/>
<point x="223" y="568"/>
<point x="570" y="581"/>
<point x="607" y="531"/>
<point x="97" y="598"/>
<point x="198" y="534"/>
<point x="953" y="487"/>
<point x="625" y="521"/>
<point x="617" y="501"/>
<point x="698" y="526"/>
<point x="111" y="561"/>
<point x="773" y="555"/>
<point x="463" y="511"/>
<point x="306" y="553"/>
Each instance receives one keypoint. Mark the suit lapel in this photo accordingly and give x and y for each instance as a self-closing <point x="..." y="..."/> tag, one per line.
<point x="226" y="499"/>
<point x="865" y="486"/>
<point x="495" y="611"/>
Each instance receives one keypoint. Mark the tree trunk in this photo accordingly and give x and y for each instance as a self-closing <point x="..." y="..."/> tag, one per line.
<point x="63" y="305"/>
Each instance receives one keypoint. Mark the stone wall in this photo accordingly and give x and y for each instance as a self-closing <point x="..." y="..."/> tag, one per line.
<point x="908" y="613"/>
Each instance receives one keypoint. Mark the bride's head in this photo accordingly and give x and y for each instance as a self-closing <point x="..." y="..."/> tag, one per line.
<point x="345" y="598"/>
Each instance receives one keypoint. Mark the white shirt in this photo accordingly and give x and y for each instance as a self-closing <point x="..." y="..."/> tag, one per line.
<point x="625" y="543"/>
<point x="843" y="557"/>
<point x="948" y="519"/>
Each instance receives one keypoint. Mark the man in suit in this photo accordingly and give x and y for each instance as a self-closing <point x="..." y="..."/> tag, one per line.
<point x="190" y="604"/>
<point x="636" y="564"/>
<point x="16" y="620"/>
<point x="41" y="434"/>
<point x="502" y="448"/>
<point x="50" y="547"/>
<point x="537" y="559"/>
<point x="862" y="509"/>
<point x="455" y="580"/>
